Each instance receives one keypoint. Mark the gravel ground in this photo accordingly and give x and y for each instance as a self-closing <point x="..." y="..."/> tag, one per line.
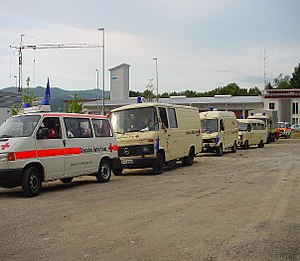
<point x="241" y="206"/>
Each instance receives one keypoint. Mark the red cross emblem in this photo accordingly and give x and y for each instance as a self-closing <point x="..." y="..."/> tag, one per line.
<point x="136" y="136"/>
<point x="5" y="146"/>
<point x="112" y="147"/>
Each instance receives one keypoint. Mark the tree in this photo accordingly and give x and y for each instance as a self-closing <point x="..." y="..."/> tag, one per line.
<point x="148" y="94"/>
<point x="75" y="105"/>
<point x="295" y="80"/>
<point x="28" y="96"/>
<point x="254" y="91"/>
<point x="282" y="82"/>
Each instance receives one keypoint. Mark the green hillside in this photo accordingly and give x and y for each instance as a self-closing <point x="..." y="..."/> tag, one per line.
<point x="58" y="95"/>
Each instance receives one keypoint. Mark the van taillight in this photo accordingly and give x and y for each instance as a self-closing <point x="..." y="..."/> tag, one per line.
<point x="11" y="156"/>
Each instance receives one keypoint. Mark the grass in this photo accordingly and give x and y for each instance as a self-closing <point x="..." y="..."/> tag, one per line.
<point x="295" y="135"/>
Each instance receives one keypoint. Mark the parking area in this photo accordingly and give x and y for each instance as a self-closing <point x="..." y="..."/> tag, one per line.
<point x="241" y="206"/>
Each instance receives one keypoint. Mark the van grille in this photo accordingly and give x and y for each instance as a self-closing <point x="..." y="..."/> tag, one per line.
<point x="138" y="150"/>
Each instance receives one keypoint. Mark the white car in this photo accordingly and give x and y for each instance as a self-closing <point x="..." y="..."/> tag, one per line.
<point x="295" y="127"/>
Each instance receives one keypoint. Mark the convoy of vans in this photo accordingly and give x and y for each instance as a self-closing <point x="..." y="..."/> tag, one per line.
<point x="251" y="132"/>
<point x="219" y="131"/>
<point x="152" y="135"/>
<point x="41" y="146"/>
<point x="37" y="147"/>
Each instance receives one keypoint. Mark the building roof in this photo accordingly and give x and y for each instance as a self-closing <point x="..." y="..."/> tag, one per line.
<point x="282" y="93"/>
<point x="221" y="99"/>
<point x="8" y="99"/>
<point x="118" y="66"/>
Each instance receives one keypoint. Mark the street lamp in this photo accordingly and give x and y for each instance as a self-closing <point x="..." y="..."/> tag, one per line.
<point x="155" y="59"/>
<point x="98" y="94"/>
<point x="103" y="72"/>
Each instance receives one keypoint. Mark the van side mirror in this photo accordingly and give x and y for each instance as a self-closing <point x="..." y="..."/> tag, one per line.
<point x="42" y="133"/>
<point x="222" y="128"/>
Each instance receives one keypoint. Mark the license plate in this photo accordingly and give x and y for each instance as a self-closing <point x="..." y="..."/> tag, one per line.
<point x="126" y="161"/>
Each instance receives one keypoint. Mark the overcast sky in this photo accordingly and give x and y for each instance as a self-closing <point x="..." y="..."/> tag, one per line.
<point x="200" y="45"/>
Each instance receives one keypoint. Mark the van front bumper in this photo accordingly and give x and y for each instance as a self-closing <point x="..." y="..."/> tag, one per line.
<point x="209" y="147"/>
<point x="10" y="178"/>
<point x="137" y="163"/>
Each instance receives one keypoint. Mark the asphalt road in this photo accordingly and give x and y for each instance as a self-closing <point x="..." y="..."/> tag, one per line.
<point x="241" y="206"/>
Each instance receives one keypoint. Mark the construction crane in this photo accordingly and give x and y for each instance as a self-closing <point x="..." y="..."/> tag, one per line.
<point x="22" y="47"/>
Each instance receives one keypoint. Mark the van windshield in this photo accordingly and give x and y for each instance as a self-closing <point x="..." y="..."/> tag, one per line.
<point x="242" y="126"/>
<point x="132" y="120"/>
<point x="20" y="126"/>
<point x="210" y="125"/>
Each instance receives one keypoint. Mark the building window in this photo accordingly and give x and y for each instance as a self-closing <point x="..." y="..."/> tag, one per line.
<point x="294" y="121"/>
<point x="295" y="107"/>
<point x="272" y="105"/>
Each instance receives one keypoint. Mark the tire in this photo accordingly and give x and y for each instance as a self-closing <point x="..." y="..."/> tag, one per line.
<point x="261" y="144"/>
<point x="246" y="145"/>
<point x="158" y="165"/>
<point x="118" y="172"/>
<point x="189" y="160"/>
<point x="233" y="148"/>
<point x="104" y="172"/>
<point x="66" y="180"/>
<point x="31" y="182"/>
<point x="219" y="150"/>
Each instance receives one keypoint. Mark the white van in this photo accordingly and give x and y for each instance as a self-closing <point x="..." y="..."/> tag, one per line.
<point x="252" y="132"/>
<point x="219" y="131"/>
<point x="44" y="146"/>
<point x="150" y="135"/>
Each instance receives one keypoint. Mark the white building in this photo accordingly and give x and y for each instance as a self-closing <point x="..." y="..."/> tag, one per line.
<point x="286" y="102"/>
<point x="7" y="101"/>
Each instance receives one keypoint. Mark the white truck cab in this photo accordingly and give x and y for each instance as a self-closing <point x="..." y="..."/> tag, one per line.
<point x="44" y="146"/>
<point x="219" y="131"/>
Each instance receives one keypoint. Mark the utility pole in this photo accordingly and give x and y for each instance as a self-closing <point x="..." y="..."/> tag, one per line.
<point x="265" y="83"/>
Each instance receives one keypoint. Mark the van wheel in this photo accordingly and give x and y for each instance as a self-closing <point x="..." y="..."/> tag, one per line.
<point x="261" y="144"/>
<point x="104" y="172"/>
<point x="189" y="160"/>
<point x="246" y="145"/>
<point x="233" y="148"/>
<point x="66" y="180"/>
<point x="31" y="182"/>
<point x="158" y="165"/>
<point x="219" y="150"/>
<point x="118" y="172"/>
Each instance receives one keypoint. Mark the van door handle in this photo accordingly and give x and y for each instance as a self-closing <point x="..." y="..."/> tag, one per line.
<point x="64" y="143"/>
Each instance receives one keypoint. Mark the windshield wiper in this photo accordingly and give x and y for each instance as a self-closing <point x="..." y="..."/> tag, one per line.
<point x="5" y="136"/>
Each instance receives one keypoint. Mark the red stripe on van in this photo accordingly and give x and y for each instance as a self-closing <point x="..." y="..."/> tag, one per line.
<point x="46" y="153"/>
<point x="26" y="154"/>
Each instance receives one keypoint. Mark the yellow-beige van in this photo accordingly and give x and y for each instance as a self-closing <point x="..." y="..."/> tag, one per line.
<point x="251" y="132"/>
<point x="151" y="135"/>
<point x="219" y="131"/>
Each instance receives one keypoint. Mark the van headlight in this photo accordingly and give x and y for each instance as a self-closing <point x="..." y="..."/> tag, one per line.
<point x="145" y="150"/>
<point x="3" y="156"/>
<point x="240" y="136"/>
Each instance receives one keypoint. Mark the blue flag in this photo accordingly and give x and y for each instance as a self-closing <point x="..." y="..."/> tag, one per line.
<point x="46" y="99"/>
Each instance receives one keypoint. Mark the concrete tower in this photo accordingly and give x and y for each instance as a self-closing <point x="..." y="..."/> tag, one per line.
<point x="119" y="82"/>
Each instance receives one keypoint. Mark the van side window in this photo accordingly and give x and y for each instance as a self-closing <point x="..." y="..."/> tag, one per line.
<point x="222" y="128"/>
<point x="53" y="126"/>
<point x="78" y="127"/>
<point x="172" y="118"/>
<point x="101" y="128"/>
<point x="163" y="116"/>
